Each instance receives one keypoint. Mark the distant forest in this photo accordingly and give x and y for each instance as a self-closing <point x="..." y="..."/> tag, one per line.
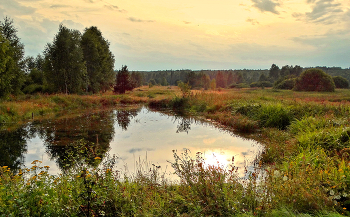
<point x="230" y="78"/>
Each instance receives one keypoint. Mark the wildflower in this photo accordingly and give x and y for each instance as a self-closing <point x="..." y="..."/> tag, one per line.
<point x="331" y="192"/>
<point x="276" y="173"/>
<point x="97" y="158"/>
<point x="46" y="167"/>
<point x="337" y="197"/>
<point x="34" y="162"/>
<point x="285" y="178"/>
<point x="4" y="167"/>
<point x="345" y="194"/>
<point x="344" y="208"/>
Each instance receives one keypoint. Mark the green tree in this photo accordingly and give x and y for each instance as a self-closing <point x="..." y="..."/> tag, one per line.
<point x="314" y="80"/>
<point x="64" y="64"/>
<point x="6" y="63"/>
<point x="123" y="81"/>
<point x="99" y="60"/>
<point x="286" y="70"/>
<point x="274" y="73"/>
<point x="14" y="62"/>
<point x="263" y="77"/>
<point x="296" y="70"/>
<point x="137" y="79"/>
<point x="340" y="82"/>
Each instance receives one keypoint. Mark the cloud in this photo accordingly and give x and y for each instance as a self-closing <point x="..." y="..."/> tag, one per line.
<point x="114" y="8"/>
<point x="266" y="5"/>
<point x="332" y="49"/>
<point x="252" y="21"/>
<point x="59" y="6"/>
<point x="323" y="11"/>
<point x="132" y="19"/>
<point x="13" y="8"/>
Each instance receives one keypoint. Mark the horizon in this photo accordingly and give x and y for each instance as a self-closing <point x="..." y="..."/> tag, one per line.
<point x="161" y="35"/>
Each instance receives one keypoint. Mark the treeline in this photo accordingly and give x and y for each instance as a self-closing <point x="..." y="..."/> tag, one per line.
<point x="209" y="79"/>
<point x="74" y="62"/>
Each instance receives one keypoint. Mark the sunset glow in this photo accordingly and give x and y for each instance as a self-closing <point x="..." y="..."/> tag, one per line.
<point x="161" y="34"/>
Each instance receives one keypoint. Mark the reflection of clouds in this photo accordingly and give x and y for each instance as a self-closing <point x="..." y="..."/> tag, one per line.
<point x="209" y="141"/>
<point x="134" y="150"/>
<point x="153" y="142"/>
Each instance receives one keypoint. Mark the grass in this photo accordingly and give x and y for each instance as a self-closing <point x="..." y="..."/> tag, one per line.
<point x="304" y="168"/>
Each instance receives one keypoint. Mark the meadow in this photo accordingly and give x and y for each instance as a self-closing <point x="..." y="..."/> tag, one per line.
<point x="304" y="169"/>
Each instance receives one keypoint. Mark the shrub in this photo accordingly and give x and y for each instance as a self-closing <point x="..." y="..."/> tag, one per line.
<point x="33" y="88"/>
<point x="274" y="115"/>
<point x="286" y="84"/>
<point x="340" y="82"/>
<point x="261" y="84"/>
<point x="314" y="80"/>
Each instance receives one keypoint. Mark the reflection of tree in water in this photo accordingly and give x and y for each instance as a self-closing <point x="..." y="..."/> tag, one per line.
<point x="124" y="117"/>
<point x="12" y="146"/>
<point x="73" y="140"/>
<point x="184" y="125"/>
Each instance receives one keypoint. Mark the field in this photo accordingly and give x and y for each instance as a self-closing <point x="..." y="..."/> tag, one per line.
<point x="303" y="170"/>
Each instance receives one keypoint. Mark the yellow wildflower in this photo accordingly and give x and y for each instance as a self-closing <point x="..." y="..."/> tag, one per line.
<point x="97" y="158"/>
<point x="4" y="167"/>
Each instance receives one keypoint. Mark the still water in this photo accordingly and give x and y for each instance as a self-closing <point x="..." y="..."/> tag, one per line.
<point x="134" y="136"/>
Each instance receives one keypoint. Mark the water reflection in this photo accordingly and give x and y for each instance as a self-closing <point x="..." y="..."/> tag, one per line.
<point x="12" y="146"/>
<point x="131" y="134"/>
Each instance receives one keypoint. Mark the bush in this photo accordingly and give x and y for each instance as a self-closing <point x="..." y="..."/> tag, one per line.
<point x="340" y="82"/>
<point x="314" y="80"/>
<point x="261" y="84"/>
<point x="33" y="88"/>
<point x="287" y="84"/>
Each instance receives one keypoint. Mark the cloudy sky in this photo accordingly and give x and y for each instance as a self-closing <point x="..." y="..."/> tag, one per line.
<point x="196" y="34"/>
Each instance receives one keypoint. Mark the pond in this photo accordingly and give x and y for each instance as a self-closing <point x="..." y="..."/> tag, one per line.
<point x="137" y="137"/>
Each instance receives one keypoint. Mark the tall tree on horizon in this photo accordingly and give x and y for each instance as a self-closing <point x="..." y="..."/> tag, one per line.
<point x="13" y="49"/>
<point x="274" y="73"/>
<point x="99" y="60"/>
<point x="64" y="64"/>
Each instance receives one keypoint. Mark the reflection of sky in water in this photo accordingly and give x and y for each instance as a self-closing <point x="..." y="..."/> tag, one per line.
<point x="152" y="135"/>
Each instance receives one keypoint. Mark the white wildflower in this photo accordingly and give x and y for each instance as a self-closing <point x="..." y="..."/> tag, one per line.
<point x="276" y="173"/>
<point x="331" y="192"/>
<point x="285" y="178"/>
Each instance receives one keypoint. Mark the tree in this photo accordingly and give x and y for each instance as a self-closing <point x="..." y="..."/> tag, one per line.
<point x="185" y="89"/>
<point x="340" y="82"/>
<point x="220" y="80"/>
<point x="286" y="70"/>
<point x="6" y="64"/>
<point x="213" y="84"/>
<point x="274" y="73"/>
<point x="14" y="50"/>
<point x="263" y="77"/>
<point x="137" y="79"/>
<point x="314" y="80"/>
<point x="230" y="78"/>
<point x="123" y="81"/>
<point x="99" y="60"/>
<point x="65" y="69"/>
<point x="296" y="70"/>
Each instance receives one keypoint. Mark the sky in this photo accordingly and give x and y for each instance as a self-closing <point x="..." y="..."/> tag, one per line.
<point x="196" y="34"/>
